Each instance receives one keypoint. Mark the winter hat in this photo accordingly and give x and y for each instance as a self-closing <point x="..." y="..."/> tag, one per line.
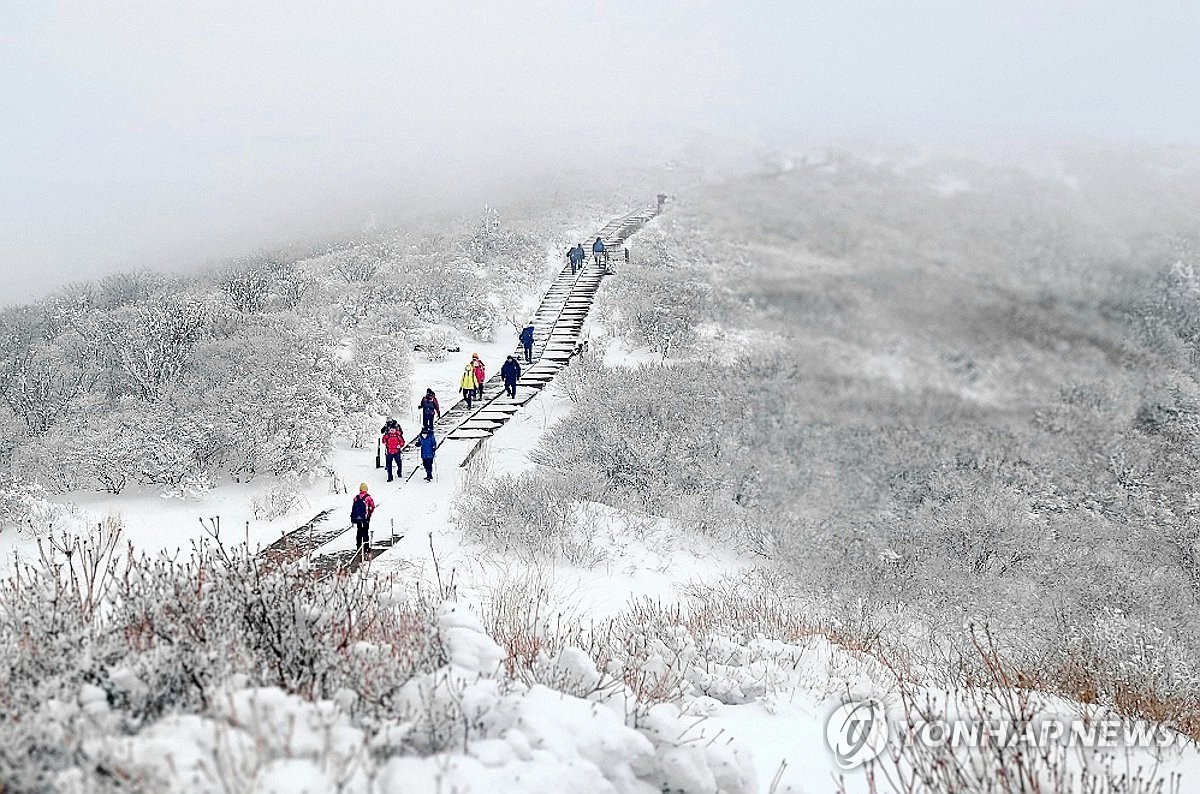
<point x="362" y="488"/>
<point x="474" y="355"/>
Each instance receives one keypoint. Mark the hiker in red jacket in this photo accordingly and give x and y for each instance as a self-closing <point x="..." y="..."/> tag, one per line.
<point x="360" y="515"/>
<point x="477" y="368"/>
<point x="393" y="442"/>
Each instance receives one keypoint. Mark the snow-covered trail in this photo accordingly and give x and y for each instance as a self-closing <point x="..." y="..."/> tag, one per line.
<point x="557" y="327"/>
<point x="656" y="562"/>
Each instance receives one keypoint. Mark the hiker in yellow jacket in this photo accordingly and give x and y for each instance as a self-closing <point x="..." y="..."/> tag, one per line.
<point x="468" y="385"/>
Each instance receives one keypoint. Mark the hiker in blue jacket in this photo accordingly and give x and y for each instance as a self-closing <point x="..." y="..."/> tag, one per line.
<point x="576" y="256"/>
<point x="428" y="450"/>
<point x="527" y="343"/>
<point x="598" y="252"/>
<point x="510" y="372"/>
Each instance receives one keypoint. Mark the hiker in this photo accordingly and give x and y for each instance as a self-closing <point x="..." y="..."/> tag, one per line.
<point x="580" y="254"/>
<point x="480" y="375"/>
<point x="428" y="450"/>
<point x="576" y="257"/>
<point x="527" y="342"/>
<point x="393" y="442"/>
<point x="510" y="372"/>
<point x="360" y="515"/>
<point x="428" y="408"/>
<point x="468" y="384"/>
<point x="598" y="252"/>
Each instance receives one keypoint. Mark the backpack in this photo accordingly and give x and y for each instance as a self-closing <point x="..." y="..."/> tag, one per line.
<point x="427" y="408"/>
<point x="358" y="509"/>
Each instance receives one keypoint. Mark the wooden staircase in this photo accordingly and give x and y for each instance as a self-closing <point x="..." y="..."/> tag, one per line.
<point x="558" y="332"/>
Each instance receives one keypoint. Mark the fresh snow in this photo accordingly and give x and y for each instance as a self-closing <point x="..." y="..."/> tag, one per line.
<point x="768" y="718"/>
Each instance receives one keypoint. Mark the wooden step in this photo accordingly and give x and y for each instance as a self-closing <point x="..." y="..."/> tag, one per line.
<point x="464" y="434"/>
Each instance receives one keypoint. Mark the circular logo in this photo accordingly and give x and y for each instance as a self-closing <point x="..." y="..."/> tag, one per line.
<point x="857" y="732"/>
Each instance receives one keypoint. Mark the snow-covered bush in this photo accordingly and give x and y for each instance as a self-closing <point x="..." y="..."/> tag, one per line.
<point x="1167" y="320"/>
<point x="144" y="346"/>
<point x="273" y="500"/>
<point x="651" y="434"/>
<point x="661" y="310"/>
<point x="529" y="515"/>
<point x="38" y="377"/>
<point x="446" y="292"/>
<point x="360" y="263"/>
<point x="436" y="342"/>
<point x="26" y="505"/>
<point x="211" y="675"/>
<point x="275" y="410"/>
<point x="171" y="633"/>
<point x="247" y="289"/>
<point x="134" y="443"/>
<point x="369" y="379"/>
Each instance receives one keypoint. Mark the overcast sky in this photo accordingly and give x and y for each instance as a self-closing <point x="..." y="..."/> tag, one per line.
<point x="148" y="132"/>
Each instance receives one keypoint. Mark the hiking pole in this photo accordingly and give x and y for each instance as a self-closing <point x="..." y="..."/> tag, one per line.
<point x="378" y="445"/>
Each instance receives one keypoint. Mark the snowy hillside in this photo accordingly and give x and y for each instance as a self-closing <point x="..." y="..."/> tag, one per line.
<point x="858" y="428"/>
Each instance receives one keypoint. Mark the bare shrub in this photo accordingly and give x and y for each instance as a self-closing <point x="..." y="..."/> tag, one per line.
<point x="156" y="635"/>
<point x="1002" y="696"/>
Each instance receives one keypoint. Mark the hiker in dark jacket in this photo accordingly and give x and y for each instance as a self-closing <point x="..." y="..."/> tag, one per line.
<point x="527" y="343"/>
<point x="576" y="256"/>
<point x="598" y="251"/>
<point x="360" y="515"/>
<point x="428" y="451"/>
<point x="429" y="407"/>
<point x="510" y="372"/>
